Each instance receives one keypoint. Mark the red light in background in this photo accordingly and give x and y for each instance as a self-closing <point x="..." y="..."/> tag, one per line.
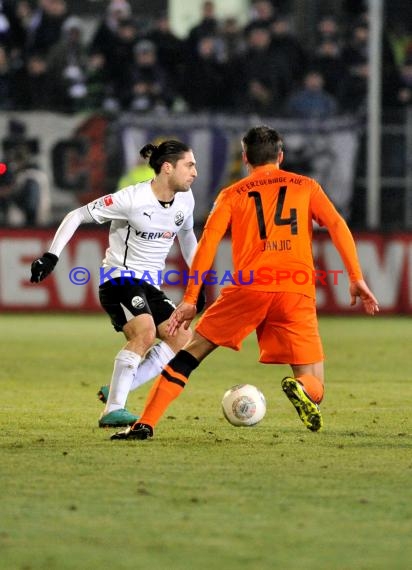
<point x="3" y="168"/>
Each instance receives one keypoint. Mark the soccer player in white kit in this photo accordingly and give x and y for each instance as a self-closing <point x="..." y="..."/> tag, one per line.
<point x="145" y="219"/>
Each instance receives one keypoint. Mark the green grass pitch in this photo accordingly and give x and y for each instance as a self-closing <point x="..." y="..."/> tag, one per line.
<point x="202" y="494"/>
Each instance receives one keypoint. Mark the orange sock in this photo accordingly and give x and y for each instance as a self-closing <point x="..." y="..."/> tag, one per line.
<point x="313" y="387"/>
<point x="167" y="387"/>
<point x="161" y="395"/>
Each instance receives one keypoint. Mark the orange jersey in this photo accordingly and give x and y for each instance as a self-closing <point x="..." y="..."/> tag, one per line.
<point x="270" y="214"/>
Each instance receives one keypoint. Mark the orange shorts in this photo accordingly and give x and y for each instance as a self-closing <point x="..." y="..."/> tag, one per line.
<point x="286" y="324"/>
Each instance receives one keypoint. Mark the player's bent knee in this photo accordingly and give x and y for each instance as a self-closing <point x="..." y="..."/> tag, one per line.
<point x="180" y="340"/>
<point x="183" y="336"/>
<point x="141" y="338"/>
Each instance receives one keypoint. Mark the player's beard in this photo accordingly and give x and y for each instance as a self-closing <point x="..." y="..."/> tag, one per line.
<point x="182" y="187"/>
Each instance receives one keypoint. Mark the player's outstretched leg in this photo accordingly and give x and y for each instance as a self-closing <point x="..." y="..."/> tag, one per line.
<point x="136" y="431"/>
<point x="308" y="411"/>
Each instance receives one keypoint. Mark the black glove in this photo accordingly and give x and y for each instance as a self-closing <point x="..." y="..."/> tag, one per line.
<point x="201" y="300"/>
<point x="42" y="267"/>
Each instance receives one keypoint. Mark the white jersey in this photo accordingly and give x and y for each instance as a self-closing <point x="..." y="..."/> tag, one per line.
<point x="142" y="230"/>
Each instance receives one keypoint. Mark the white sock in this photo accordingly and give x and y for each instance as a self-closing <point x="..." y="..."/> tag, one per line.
<point x="125" y="366"/>
<point x="159" y="355"/>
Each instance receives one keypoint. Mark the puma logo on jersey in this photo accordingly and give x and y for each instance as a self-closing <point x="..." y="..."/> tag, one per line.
<point x="148" y="214"/>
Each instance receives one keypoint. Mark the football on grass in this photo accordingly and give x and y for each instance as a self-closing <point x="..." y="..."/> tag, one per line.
<point x="244" y="405"/>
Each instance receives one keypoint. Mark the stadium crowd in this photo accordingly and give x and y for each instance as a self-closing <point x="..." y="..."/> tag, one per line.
<point x="131" y="64"/>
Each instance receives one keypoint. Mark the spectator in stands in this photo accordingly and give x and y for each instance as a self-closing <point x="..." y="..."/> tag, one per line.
<point x="6" y="86"/>
<point x="45" y="26"/>
<point x="328" y="61"/>
<point x="357" y="45"/>
<point x="31" y="89"/>
<point x="405" y="89"/>
<point x="105" y="36"/>
<point x="289" y="53"/>
<point x="206" y="89"/>
<point x="353" y="89"/>
<point x="120" y="62"/>
<point x="263" y="14"/>
<point x="15" y="18"/>
<point x="356" y="57"/>
<point x="232" y="38"/>
<point x="23" y="13"/>
<point x="99" y="90"/>
<point x="208" y="26"/>
<point x="400" y="40"/>
<point x="328" y="29"/>
<point x="312" y="101"/>
<point x="353" y="9"/>
<point x="67" y="63"/>
<point x="256" y="79"/>
<point x="5" y="25"/>
<point x="170" y="49"/>
<point x="151" y="86"/>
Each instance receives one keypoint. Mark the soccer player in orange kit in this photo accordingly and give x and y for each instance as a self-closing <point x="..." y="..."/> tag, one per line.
<point x="270" y="214"/>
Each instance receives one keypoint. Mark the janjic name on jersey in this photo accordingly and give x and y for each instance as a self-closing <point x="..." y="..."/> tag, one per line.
<point x="142" y="231"/>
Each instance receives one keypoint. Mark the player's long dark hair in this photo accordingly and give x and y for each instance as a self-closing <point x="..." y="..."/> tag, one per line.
<point x="262" y="145"/>
<point x="167" y="151"/>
